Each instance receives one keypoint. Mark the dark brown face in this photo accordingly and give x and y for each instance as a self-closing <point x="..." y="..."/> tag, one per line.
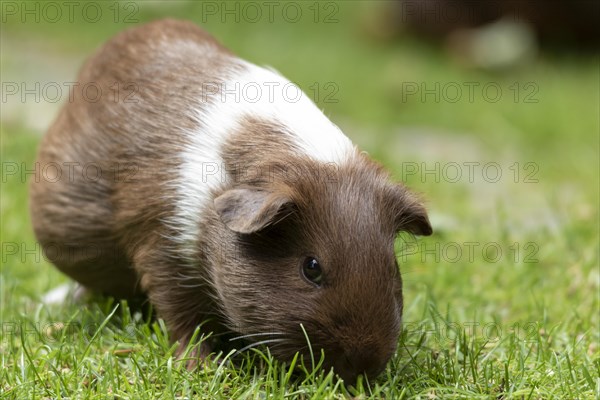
<point x="325" y="270"/>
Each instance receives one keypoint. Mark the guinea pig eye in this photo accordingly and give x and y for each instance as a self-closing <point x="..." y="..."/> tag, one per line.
<point x="311" y="269"/>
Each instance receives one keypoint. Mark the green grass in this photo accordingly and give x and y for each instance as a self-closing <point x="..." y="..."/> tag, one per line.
<point x="523" y="324"/>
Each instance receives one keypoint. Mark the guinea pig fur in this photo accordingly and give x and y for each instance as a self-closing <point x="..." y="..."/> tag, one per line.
<point x="236" y="212"/>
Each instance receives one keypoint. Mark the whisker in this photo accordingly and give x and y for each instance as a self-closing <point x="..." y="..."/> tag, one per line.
<point x="191" y="286"/>
<point x="215" y="335"/>
<point x="256" y="344"/>
<point x="183" y="276"/>
<point x="255" y="334"/>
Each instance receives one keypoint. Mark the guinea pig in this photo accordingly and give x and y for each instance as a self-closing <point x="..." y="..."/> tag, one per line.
<point x="219" y="190"/>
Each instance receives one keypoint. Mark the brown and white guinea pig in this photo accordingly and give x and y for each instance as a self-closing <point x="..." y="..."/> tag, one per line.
<point x="236" y="212"/>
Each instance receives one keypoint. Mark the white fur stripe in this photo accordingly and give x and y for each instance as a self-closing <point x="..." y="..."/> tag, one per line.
<point x="255" y="92"/>
<point x="267" y="94"/>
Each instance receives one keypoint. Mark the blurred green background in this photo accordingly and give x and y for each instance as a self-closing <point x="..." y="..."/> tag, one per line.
<point x="406" y="101"/>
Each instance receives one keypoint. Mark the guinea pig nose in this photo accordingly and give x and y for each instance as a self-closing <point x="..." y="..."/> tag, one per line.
<point x="359" y="362"/>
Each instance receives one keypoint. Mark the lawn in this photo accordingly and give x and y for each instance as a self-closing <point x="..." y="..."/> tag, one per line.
<point x="501" y="302"/>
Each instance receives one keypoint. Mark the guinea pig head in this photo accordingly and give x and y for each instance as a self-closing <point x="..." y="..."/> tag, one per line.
<point x="314" y="266"/>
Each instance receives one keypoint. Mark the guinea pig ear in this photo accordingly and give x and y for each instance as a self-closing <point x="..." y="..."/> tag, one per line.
<point x="249" y="210"/>
<point x="410" y="214"/>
